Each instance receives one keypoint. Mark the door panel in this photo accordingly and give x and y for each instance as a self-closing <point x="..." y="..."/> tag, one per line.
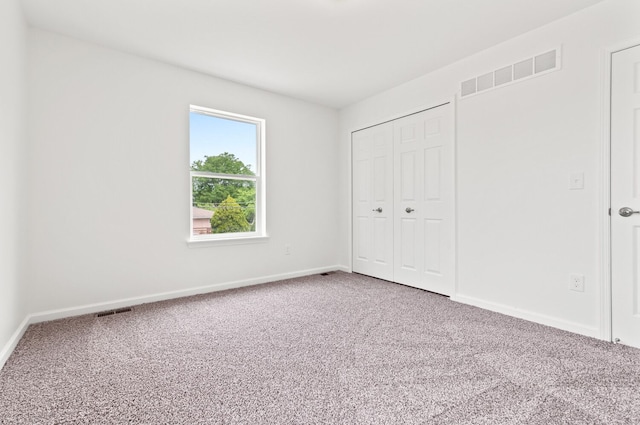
<point x="362" y="239"/>
<point x="432" y="244"/>
<point x="380" y="232"/>
<point x="409" y="136"/>
<point x="432" y="180"/>
<point x="373" y="201"/>
<point x="381" y="177"/>
<point x="408" y="172"/>
<point x="408" y="242"/>
<point x="424" y="171"/>
<point x="361" y="174"/>
<point x="625" y="192"/>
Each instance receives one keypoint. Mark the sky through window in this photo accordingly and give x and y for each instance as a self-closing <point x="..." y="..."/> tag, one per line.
<point x="212" y="136"/>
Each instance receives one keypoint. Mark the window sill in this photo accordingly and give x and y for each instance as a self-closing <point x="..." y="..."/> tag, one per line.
<point x="235" y="240"/>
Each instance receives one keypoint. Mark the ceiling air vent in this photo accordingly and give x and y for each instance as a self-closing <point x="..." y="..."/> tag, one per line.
<point x="543" y="63"/>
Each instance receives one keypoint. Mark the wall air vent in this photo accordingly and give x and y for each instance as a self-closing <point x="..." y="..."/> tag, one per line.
<point x="543" y="63"/>
<point x="504" y="75"/>
<point x="468" y="87"/>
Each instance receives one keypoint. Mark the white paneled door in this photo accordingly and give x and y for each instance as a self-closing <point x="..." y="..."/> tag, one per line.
<point x="424" y="200"/>
<point x="625" y="196"/>
<point x="373" y="201"/>
<point x="403" y="200"/>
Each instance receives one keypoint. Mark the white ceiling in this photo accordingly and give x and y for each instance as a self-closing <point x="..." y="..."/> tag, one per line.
<point x="330" y="52"/>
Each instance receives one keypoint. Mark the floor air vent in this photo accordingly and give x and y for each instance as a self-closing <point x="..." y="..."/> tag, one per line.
<point x="112" y="312"/>
<point x="326" y="273"/>
<point x="522" y="70"/>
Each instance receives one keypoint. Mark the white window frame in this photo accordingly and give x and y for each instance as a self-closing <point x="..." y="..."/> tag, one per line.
<point x="260" y="234"/>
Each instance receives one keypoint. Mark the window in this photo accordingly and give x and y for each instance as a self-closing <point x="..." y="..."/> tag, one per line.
<point x="227" y="175"/>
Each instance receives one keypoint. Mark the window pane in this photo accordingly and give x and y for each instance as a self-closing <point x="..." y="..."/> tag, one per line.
<point x="232" y="144"/>
<point x="223" y="205"/>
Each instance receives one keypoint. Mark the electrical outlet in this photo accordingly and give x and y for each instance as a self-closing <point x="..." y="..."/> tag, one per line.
<point x="576" y="282"/>
<point x="287" y="249"/>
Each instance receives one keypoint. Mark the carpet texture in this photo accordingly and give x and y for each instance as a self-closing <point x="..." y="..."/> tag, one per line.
<point x="337" y="349"/>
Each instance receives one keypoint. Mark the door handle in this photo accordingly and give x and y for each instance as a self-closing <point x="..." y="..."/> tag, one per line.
<point x="627" y="212"/>
<point x="409" y="210"/>
<point x="377" y="210"/>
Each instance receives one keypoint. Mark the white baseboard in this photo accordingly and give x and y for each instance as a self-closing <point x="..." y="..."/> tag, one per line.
<point x="126" y="302"/>
<point x="542" y="319"/>
<point x="13" y="342"/>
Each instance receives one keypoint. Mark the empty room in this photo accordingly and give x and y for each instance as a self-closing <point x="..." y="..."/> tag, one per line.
<point x="320" y="212"/>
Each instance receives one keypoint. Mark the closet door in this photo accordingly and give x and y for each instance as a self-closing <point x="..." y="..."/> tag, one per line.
<point x="373" y="201"/>
<point x="424" y="200"/>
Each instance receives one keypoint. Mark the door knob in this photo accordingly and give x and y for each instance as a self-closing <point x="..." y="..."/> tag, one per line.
<point x="377" y="209"/>
<point x="627" y="212"/>
<point x="409" y="210"/>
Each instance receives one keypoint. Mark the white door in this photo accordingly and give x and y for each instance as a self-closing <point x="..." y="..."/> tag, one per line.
<point x="424" y="200"/>
<point x="373" y="201"/>
<point x="625" y="193"/>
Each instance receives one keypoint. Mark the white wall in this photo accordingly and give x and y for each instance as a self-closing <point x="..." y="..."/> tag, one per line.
<point x="109" y="194"/>
<point x="12" y="175"/>
<point x="109" y="150"/>
<point x="521" y="232"/>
